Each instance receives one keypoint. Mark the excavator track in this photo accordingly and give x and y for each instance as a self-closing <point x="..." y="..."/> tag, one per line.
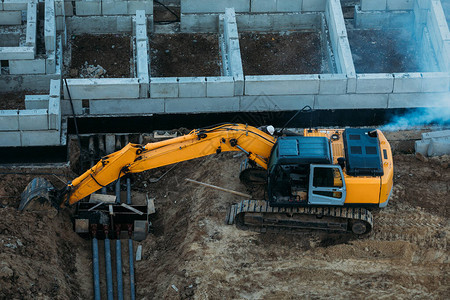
<point x="258" y="215"/>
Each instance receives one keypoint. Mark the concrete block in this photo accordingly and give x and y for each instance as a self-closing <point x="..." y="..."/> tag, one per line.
<point x="333" y="84"/>
<point x="66" y="108"/>
<point x="281" y="85"/>
<point x="141" y="33"/>
<point x="199" y="23"/>
<point x="55" y="88"/>
<point x="30" y="82"/>
<point x="9" y="53"/>
<point x="295" y="21"/>
<point x="188" y="105"/>
<point x="419" y="100"/>
<point x="68" y="9"/>
<point x="50" y="63"/>
<point x="27" y="66"/>
<point x="124" y="24"/>
<point x="88" y="8"/>
<point x="436" y="134"/>
<point x="373" y="4"/>
<point x="111" y="7"/>
<point x="146" y="5"/>
<point x="10" y="138"/>
<point x="103" y="88"/>
<point x="33" y="119"/>
<point x="351" y="101"/>
<point x="239" y="84"/>
<point x="407" y="82"/>
<point x="144" y="85"/>
<point x="140" y="18"/>
<point x="400" y="4"/>
<point x="60" y="22"/>
<point x="50" y="26"/>
<point x="257" y="22"/>
<point x="439" y="147"/>
<point x="374" y="83"/>
<point x="263" y="5"/>
<point x="219" y="86"/>
<point x="41" y="138"/>
<point x="435" y="82"/>
<point x="126" y="107"/>
<point x="30" y="39"/>
<point x="36" y="101"/>
<point x="166" y="87"/>
<point x="54" y="113"/>
<point x="13" y="17"/>
<point x="59" y="8"/>
<point x="207" y="6"/>
<point x="274" y="102"/>
<point x="15" y="4"/>
<point x="421" y="147"/>
<point x="314" y="5"/>
<point x="289" y="5"/>
<point x="9" y="120"/>
<point x="191" y="87"/>
<point x="142" y="58"/>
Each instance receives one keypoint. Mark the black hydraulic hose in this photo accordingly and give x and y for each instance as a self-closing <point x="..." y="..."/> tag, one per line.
<point x="171" y="11"/>
<point x="76" y="125"/>
<point x="305" y="108"/>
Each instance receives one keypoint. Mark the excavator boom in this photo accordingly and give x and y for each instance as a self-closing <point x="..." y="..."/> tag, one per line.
<point x="134" y="158"/>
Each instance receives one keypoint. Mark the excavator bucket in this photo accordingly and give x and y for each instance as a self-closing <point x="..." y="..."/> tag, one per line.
<point x="37" y="195"/>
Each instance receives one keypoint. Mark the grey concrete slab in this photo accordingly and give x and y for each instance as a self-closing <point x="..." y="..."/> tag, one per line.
<point x="98" y="24"/>
<point x="59" y="8"/>
<point x="351" y="101"/>
<point x="220" y="86"/>
<point x="50" y="26"/>
<point x="374" y="83"/>
<point x="10" y="139"/>
<point x="33" y="119"/>
<point x="41" y="138"/>
<point x="263" y="5"/>
<point x="407" y="82"/>
<point x="262" y="103"/>
<point x="15" y="4"/>
<point x="166" y="87"/>
<point x="8" y="53"/>
<point x="68" y="9"/>
<point x="54" y="113"/>
<point x="13" y="17"/>
<point x="333" y="84"/>
<point x="435" y="82"/>
<point x="66" y="108"/>
<point x="55" y="88"/>
<point x="36" y="101"/>
<point x="421" y="147"/>
<point x="112" y="7"/>
<point x="88" y="8"/>
<point x="33" y="82"/>
<point x="207" y="6"/>
<point x="436" y="134"/>
<point x="289" y="5"/>
<point x="295" y="21"/>
<point x="192" y="87"/>
<point x="239" y="85"/>
<point x="50" y="63"/>
<point x="409" y="100"/>
<point x="399" y="4"/>
<point x="189" y="105"/>
<point x="126" y="106"/>
<point x="27" y="66"/>
<point x="103" y="88"/>
<point x="199" y="22"/>
<point x="146" y="5"/>
<point x="439" y="147"/>
<point x="373" y="5"/>
<point x="314" y="5"/>
<point x="9" y="120"/>
<point x="281" y="84"/>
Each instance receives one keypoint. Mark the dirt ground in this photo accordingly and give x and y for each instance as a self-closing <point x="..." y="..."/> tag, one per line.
<point x="184" y="55"/>
<point x="275" y="53"/>
<point x="384" y="51"/>
<point x="404" y="257"/>
<point x="110" y="51"/>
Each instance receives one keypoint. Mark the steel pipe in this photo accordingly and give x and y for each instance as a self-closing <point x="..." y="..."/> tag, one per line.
<point x="119" y="270"/>
<point x="96" y="269"/>
<point x="109" y="275"/>
<point x="130" y="250"/>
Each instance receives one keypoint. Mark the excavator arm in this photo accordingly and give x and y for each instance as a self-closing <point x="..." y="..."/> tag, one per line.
<point x="135" y="158"/>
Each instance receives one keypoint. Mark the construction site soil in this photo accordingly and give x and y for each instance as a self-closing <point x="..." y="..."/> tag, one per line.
<point x="281" y="53"/>
<point x="184" y="55"/>
<point x="192" y="254"/>
<point x="112" y="52"/>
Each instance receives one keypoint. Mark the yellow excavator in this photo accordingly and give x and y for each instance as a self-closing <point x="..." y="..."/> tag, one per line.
<point x="323" y="179"/>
